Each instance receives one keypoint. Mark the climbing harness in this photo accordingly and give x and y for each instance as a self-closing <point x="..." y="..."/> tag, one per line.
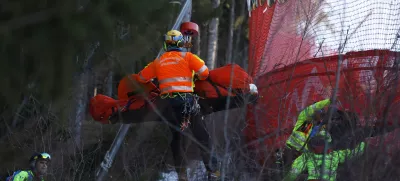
<point x="189" y="108"/>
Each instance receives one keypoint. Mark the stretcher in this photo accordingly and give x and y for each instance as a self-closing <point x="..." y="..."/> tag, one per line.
<point x="137" y="100"/>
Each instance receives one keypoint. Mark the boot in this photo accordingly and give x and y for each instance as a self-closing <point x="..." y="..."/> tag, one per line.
<point x="182" y="175"/>
<point x="213" y="176"/>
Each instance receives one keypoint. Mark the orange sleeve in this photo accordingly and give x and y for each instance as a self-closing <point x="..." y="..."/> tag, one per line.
<point x="198" y="66"/>
<point x="148" y="73"/>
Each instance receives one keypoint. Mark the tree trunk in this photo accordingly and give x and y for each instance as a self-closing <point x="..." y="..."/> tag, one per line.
<point x="238" y="36"/>
<point x="228" y="57"/>
<point x="81" y="99"/>
<point x="188" y="13"/>
<point x="187" y="17"/>
<point x="80" y="109"/>
<point x="196" y="45"/>
<point x="19" y="111"/>
<point x="245" y="57"/>
<point x="204" y="38"/>
<point x="109" y="82"/>
<point x="213" y="38"/>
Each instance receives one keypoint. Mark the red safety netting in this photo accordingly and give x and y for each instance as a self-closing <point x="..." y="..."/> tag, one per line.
<point x="294" y="31"/>
<point x="365" y="82"/>
<point x="293" y="55"/>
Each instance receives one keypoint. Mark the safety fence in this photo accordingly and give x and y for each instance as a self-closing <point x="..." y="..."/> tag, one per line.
<point x="294" y="50"/>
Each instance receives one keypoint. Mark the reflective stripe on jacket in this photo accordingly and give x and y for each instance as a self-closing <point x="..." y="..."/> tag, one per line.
<point x="297" y="139"/>
<point x="314" y="162"/>
<point x="174" y="71"/>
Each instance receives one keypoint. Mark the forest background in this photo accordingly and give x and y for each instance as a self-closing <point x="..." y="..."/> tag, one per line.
<point x="54" y="55"/>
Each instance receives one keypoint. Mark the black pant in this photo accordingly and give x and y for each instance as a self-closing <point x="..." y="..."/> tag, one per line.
<point x="178" y="145"/>
<point x="180" y="108"/>
<point x="173" y="110"/>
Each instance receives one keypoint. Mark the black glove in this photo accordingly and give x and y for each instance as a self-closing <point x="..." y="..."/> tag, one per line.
<point x="114" y="118"/>
<point x="195" y="78"/>
<point x="335" y="114"/>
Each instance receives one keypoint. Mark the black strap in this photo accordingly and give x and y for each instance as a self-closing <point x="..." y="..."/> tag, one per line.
<point x="129" y="94"/>
<point x="236" y="91"/>
<point x="215" y="86"/>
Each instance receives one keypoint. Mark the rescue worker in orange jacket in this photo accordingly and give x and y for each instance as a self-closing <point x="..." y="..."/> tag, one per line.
<point x="175" y="71"/>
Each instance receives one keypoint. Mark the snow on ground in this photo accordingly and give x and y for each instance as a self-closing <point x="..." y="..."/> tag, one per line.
<point x="171" y="176"/>
<point x="195" y="171"/>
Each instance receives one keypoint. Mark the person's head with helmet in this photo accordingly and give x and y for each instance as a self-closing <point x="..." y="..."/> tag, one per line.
<point x="39" y="163"/>
<point x="173" y="40"/>
<point x="317" y="143"/>
<point x="321" y="115"/>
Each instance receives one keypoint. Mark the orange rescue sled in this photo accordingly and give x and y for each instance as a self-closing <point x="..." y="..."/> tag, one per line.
<point x="132" y="94"/>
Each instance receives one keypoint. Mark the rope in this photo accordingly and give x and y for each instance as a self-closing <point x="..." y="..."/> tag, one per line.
<point x="189" y="109"/>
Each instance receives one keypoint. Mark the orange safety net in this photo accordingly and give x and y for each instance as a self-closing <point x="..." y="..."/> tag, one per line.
<point x="293" y="55"/>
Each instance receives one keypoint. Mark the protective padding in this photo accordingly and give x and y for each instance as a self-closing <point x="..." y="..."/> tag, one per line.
<point x="129" y="86"/>
<point x="231" y="75"/>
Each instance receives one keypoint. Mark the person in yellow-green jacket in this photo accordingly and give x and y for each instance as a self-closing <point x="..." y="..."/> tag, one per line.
<point x="320" y="166"/>
<point x="305" y="123"/>
<point x="308" y="123"/>
<point x="38" y="168"/>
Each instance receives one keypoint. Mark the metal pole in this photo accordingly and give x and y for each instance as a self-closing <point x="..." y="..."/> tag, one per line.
<point x="110" y="154"/>
<point x="102" y="171"/>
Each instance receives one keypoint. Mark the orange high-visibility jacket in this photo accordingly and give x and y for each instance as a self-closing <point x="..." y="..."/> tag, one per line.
<point x="174" y="71"/>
